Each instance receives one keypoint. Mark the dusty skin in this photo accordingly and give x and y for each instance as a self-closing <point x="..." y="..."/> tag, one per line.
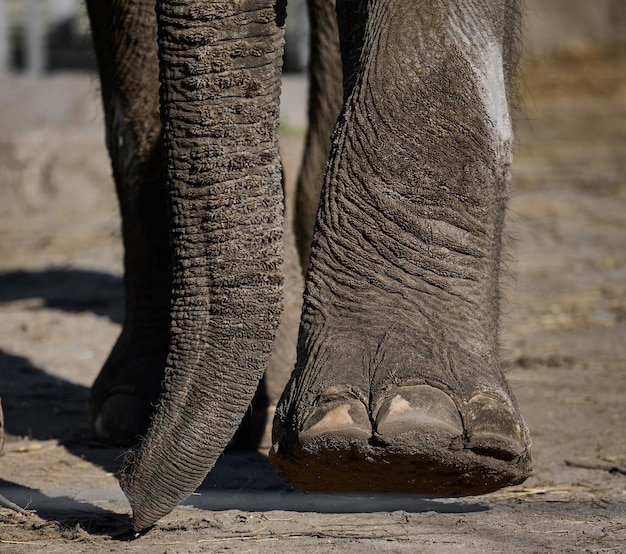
<point x="564" y="336"/>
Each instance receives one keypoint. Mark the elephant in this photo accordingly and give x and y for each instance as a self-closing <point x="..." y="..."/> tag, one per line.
<point x="397" y="385"/>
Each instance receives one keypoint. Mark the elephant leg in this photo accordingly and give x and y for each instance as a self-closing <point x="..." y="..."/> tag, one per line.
<point x="127" y="388"/>
<point x="398" y="385"/>
<point x="325" y="102"/>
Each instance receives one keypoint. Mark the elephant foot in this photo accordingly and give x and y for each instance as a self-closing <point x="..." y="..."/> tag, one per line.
<point x="126" y="391"/>
<point x="122" y="418"/>
<point x="416" y="439"/>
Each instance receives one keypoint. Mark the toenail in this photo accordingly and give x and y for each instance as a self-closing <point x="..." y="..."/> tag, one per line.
<point x="347" y="417"/>
<point x="493" y="427"/>
<point x="410" y="408"/>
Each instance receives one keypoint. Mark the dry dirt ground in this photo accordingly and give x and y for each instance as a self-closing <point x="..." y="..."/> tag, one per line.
<point x="564" y="338"/>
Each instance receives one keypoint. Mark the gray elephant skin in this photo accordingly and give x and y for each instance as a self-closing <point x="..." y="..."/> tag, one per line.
<point x="399" y="216"/>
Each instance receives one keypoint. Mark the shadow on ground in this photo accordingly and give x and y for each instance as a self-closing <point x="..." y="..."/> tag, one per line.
<point x="69" y="290"/>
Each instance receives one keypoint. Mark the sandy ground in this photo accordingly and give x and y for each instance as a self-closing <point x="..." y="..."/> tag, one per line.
<point x="564" y="338"/>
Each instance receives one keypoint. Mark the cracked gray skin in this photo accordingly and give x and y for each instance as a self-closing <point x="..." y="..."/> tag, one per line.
<point x="397" y="383"/>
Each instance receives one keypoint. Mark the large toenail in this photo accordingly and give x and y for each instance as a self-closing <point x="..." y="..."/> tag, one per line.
<point x="345" y="417"/>
<point x="417" y="407"/>
<point x="122" y="419"/>
<point x="493" y="428"/>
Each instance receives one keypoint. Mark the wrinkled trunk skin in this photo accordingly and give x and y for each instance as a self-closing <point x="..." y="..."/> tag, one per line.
<point x="220" y="74"/>
<point x="325" y="102"/>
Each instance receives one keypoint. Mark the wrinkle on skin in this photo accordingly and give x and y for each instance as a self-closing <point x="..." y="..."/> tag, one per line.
<point x="406" y="250"/>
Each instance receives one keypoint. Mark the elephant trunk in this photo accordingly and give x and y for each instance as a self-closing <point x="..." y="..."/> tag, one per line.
<point x="220" y="74"/>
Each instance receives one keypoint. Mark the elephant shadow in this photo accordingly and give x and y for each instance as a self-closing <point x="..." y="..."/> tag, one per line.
<point x="38" y="404"/>
<point x="42" y="410"/>
<point x="69" y="290"/>
<point x="45" y="407"/>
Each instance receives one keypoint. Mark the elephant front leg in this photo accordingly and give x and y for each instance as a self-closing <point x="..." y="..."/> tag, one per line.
<point x="128" y="386"/>
<point x="398" y="385"/>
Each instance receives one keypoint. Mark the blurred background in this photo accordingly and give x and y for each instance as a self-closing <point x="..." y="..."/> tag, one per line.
<point x="44" y="35"/>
